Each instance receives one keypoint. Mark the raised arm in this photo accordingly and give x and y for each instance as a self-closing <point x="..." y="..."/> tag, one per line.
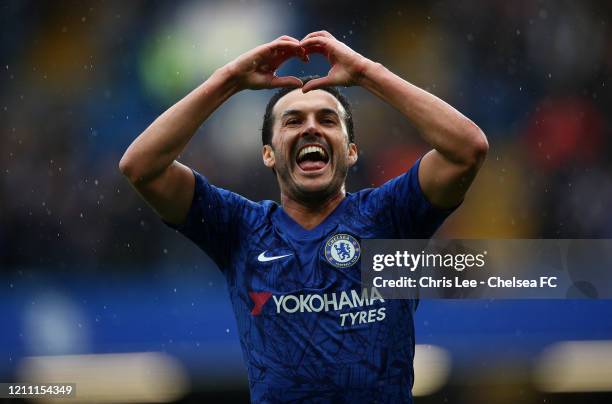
<point x="150" y="163"/>
<point x="459" y="146"/>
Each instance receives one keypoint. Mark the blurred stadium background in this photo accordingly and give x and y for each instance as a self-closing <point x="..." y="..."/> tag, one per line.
<point x="95" y="289"/>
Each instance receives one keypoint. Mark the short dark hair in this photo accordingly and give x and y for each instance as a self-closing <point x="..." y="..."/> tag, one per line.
<point x="268" y="120"/>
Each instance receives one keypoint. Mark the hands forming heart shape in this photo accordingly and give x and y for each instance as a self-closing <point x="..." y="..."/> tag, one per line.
<point x="256" y="69"/>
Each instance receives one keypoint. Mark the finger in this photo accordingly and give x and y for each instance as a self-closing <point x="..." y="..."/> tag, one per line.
<point x="319" y="33"/>
<point x="286" y="38"/>
<point x="315" y="49"/>
<point x="286" y="49"/>
<point x="316" y="41"/>
<point x="285" y="42"/>
<point x="285" y="45"/>
<point x="283" y="53"/>
<point x="285" y="81"/>
<point x="302" y="55"/>
<point x="317" y="83"/>
<point x="317" y="45"/>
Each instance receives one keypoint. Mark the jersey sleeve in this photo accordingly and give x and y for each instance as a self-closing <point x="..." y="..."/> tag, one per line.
<point x="402" y="202"/>
<point x="214" y="220"/>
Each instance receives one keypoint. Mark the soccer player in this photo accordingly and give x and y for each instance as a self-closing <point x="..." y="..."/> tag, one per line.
<point x="308" y="330"/>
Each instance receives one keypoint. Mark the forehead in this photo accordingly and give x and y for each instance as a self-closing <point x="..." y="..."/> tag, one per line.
<point x="312" y="101"/>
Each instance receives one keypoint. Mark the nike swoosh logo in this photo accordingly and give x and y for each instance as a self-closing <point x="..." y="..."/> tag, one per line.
<point x="262" y="257"/>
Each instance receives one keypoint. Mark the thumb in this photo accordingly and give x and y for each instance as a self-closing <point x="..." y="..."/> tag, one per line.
<point x="285" y="81"/>
<point x="316" y="84"/>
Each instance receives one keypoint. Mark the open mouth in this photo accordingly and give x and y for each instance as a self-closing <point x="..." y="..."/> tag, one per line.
<point x="312" y="157"/>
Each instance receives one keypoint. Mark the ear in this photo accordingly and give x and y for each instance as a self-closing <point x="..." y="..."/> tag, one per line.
<point x="353" y="154"/>
<point x="268" y="156"/>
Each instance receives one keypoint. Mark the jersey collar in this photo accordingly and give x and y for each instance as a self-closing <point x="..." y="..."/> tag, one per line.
<point x="295" y="229"/>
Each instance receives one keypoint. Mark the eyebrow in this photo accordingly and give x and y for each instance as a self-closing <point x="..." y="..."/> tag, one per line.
<point x="324" y="111"/>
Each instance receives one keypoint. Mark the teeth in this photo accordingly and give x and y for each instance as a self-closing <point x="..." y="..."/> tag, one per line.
<point x="311" y="149"/>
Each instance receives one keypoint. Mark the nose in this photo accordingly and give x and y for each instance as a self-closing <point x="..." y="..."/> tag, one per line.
<point x="311" y="128"/>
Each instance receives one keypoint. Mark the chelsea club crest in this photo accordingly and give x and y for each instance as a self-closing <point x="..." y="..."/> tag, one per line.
<point x="342" y="250"/>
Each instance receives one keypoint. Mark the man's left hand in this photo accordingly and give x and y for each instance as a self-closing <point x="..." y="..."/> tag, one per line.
<point x="347" y="66"/>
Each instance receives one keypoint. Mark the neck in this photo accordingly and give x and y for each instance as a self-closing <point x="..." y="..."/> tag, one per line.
<point x="309" y="214"/>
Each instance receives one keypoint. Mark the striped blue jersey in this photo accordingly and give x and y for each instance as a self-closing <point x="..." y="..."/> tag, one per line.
<point x="309" y="331"/>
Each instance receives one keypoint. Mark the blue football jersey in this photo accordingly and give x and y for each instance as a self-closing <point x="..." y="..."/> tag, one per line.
<point x="309" y="331"/>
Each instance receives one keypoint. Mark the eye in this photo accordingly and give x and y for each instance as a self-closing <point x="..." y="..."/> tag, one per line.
<point x="292" y="121"/>
<point x="328" y="121"/>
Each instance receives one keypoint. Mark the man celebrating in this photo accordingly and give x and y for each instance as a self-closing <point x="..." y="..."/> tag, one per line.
<point x="308" y="330"/>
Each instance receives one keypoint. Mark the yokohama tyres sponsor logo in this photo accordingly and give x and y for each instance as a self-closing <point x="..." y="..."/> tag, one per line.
<point x="315" y="303"/>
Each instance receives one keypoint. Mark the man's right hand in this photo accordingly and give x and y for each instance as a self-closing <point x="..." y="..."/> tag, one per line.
<point x="149" y="163"/>
<point x="256" y="69"/>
